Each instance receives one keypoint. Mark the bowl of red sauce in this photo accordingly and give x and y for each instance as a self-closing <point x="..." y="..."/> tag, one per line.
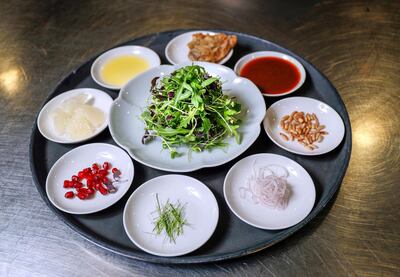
<point x="274" y="73"/>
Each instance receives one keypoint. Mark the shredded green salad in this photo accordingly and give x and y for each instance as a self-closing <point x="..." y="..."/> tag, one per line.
<point x="189" y="108"/>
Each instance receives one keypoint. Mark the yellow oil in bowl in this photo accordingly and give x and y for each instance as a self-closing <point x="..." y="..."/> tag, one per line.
<point x="119" y="70"/>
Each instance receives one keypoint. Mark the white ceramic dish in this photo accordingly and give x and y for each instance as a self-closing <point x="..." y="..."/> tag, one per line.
<point x="327" y="116"/>
<point x="127" y="129"/>
<point x="98" y="64"/>
<point x="201" y="212"/>
<point x="245" y="59"/>
<point x="177" y="50"/>
<point x="300" y="202"/>
<point x="99" y="99"/>
<point x="82" y="157"/>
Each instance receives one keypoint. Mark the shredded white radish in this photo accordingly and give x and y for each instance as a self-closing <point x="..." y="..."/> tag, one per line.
<point x="267" y="186"/>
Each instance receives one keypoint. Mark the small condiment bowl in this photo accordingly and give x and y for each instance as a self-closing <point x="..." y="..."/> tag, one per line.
<point x="326" y="115"/>
<point x="99" y="99"/>
<point x="82" y="157"/>
<point x="177" y="49"/>
<point x="249" y="57"/>
<point x="140" y="213"/>
<point x="301" y="199"/>
<point x="134" y="50"/>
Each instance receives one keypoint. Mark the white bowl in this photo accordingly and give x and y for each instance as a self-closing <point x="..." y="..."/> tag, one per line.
<point x="245" y="59"/>
<point x="127" y="129"/>
<point x="201" y="212"/>
<point x="177" y="49"/>
<point x="326" y="115"/>
<point x="82" y="157"/>
<point x="100" y="99"/>
<point x="134" y="50"/>
<point x="301" y="200"/>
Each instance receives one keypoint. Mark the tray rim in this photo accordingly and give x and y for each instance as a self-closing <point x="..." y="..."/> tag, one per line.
<point x="103" y="243"/>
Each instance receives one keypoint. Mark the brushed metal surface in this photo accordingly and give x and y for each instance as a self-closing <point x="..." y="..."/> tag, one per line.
<point x="354" y="43"/>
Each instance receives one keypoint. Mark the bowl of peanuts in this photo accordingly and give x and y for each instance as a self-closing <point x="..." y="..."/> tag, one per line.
<point x="304" y="126"/>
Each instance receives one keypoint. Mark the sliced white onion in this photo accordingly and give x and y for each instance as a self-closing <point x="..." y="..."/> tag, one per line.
<point x="268" y="186"/>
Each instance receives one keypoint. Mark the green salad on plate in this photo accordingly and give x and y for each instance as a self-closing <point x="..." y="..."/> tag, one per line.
<point x="189" y="108"/>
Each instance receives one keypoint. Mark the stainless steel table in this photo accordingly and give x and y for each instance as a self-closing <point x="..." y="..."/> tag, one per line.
<point x="355" y="43"/>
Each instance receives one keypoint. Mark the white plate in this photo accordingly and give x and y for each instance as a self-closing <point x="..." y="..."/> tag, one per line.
<point x="100" y="100"/>
<point x="300" y="202"/>
<point x="177" y="49"/>
<point x="98" y="64"/>
<point x="201" y="212"/>
<point x="326" y="115"/>
<point x="76" y="160"/>
<point x="245" y="59"/>
<point x="127" y="129"/>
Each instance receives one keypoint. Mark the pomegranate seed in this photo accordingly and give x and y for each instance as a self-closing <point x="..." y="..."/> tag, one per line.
<point x="66" y="184"/>
<point x="81" y="175"/>
<point x="82" y="190"/>
<point x="106" y="165"/>
<point x="103" y="172"/>
<point x="77" y="184"/>
<point x="89" y="180"/>
<point x="103" y="190"/>
<point x="69" y="194"/>
<point x="82" y="195"/>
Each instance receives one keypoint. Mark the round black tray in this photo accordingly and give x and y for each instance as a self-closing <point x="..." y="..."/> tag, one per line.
<point x="232" y="238"/>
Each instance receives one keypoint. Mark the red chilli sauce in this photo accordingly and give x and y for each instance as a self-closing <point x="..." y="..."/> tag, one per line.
<point x="272" y="75"/>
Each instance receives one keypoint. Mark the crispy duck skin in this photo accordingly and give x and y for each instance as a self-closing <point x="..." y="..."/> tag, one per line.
<point x="210" y="48"/>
